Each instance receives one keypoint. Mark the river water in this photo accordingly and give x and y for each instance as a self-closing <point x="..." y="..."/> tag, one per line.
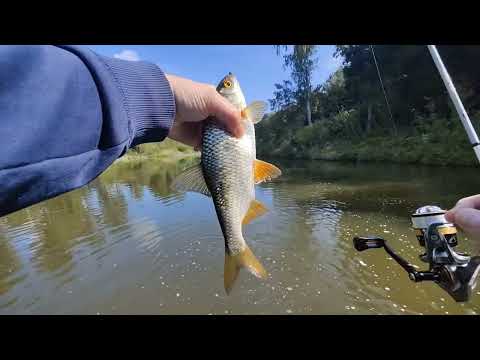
<point x="127" y="244"/>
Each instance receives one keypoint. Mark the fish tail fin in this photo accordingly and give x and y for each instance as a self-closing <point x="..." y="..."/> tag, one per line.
<point x="245" y="259"/>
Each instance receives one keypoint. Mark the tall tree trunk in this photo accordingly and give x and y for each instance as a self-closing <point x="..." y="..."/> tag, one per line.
<point x="308" y="111"/>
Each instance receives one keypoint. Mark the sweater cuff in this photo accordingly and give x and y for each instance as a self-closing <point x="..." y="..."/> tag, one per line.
<point x="147" y="97"/>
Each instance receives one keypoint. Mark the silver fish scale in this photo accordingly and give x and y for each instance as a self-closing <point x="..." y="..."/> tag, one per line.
<point x="227" y="167"/>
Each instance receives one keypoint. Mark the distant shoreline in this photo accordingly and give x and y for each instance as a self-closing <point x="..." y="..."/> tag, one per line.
<point x="408" y="150"/>
<point x="372" y="150"/>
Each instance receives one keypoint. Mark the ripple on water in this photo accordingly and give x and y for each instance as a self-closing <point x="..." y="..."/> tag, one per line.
<point x="8" y="303"/>
<point x="304" y="241"/>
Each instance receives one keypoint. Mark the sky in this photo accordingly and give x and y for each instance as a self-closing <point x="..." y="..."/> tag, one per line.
<point x="257" y="67"/>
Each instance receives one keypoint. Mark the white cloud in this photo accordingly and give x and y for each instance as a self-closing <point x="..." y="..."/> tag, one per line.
<point x="127" y="54"/>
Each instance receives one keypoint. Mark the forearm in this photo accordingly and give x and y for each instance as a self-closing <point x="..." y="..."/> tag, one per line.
<point x="67" y="113"/>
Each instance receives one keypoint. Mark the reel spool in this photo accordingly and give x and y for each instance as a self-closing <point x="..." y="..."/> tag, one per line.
<point x="425" y="216"/>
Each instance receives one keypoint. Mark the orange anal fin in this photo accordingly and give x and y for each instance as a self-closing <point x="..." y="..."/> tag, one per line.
<point x="256" y="209"/>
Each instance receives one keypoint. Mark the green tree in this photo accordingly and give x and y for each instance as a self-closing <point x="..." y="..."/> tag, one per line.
<point x="350" y="114"/>
<point x="301" y="60"/>
<point x="283" y="96"/>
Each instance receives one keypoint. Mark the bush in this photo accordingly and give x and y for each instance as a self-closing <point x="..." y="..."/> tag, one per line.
<point x="432" y="140"/>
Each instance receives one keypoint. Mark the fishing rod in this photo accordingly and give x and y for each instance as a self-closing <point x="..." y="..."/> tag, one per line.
<point x="454" y="272"/>
<point x="462" y="113"/>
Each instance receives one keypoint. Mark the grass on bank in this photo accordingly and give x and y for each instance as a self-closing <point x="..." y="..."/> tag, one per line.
<point x="167" y="151"/>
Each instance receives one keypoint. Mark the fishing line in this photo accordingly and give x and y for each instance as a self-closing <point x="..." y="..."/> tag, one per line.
<point x="383" y="87"/>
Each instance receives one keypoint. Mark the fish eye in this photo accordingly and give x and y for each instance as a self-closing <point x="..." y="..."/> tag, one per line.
<point x="227" y="84"/>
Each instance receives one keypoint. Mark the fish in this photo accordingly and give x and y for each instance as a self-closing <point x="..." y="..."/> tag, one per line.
<point x="228" y="172"/>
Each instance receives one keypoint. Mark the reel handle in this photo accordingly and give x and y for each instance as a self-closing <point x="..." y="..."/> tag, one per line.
<point x="362" y="243"/>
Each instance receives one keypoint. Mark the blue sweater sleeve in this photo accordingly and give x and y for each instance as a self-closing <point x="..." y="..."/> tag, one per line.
<point x="66" y="113"/>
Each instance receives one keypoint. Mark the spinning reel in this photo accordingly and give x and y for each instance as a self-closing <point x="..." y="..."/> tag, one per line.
<point x="454" y="272"/>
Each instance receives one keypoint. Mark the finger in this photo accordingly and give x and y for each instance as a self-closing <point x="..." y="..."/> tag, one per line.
<point x="226" y="114"/>
<point x="449" y="216"/>
<point x="472" y="202"/>
<point x="468" y="220"/>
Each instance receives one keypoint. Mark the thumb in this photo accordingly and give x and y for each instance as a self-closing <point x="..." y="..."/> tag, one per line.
<point x="450" y="216"/>
<point x="467" y="219"/>
<point x="226" y="114"/>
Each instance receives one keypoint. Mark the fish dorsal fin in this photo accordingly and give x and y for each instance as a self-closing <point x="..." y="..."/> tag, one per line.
<point x="255" y="210"/>
<point x="263" y="171"/>
<point x="191" y="180"/>
<point x="255" y="111"/>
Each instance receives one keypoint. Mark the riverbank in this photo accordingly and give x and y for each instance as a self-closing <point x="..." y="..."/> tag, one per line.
<point x="449" y="149"/>
<point x="432" y="142"/>
<point x="405" y="150"/>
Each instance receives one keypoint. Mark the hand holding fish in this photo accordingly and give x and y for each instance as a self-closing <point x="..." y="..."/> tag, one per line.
<point x="228" y="172"/>
<point x="196" y="102"/>
<point x="466" y="214"/>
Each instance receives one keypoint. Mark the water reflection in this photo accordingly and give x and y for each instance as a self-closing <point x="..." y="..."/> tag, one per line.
<point x="47" y="235"/>
<point x="128" y="244"/>
<point x="10" y="264"/>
